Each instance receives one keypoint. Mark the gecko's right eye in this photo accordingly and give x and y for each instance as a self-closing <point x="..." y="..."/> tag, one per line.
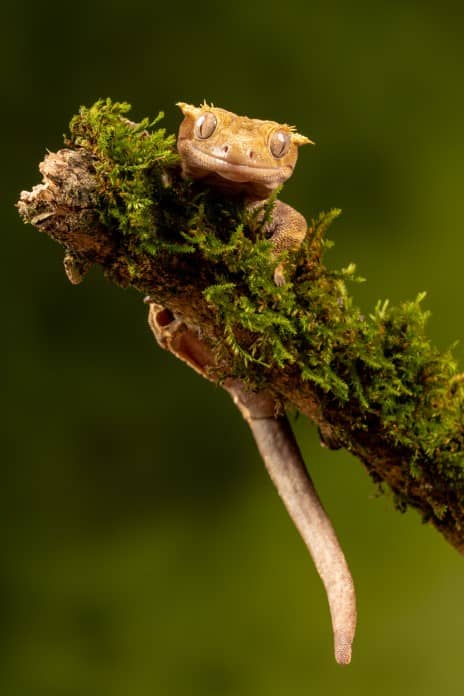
<point x="205" y="125"/>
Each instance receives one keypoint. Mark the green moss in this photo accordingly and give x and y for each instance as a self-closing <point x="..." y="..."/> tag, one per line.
<point x="129" y="160"/>
<point x="380" y="369"/>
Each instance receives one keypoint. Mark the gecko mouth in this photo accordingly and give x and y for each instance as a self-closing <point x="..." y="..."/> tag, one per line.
<point x="234" y="171"/>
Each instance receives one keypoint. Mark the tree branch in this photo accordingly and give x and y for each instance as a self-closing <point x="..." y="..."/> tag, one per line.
<point x="373" y="385"/>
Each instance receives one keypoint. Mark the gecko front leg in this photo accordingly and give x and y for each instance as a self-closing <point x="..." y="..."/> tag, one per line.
<point x="287" y="229"/>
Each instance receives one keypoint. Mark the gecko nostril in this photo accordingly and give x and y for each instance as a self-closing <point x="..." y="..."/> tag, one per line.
<point x="226" y="149"/>
<point x="251" y="154"/>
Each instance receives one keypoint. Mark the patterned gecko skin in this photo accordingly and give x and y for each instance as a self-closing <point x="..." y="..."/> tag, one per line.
<point x="244" y="157"/>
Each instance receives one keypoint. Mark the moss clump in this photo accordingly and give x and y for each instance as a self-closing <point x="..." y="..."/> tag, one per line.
<point x="129" y="158"/>
<point x="380" y="370"/>
<point x="379" y="367"/>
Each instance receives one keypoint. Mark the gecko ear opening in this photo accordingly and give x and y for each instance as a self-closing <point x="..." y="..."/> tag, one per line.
<point x="301" y="139"/>
<point x="188" y="109"/>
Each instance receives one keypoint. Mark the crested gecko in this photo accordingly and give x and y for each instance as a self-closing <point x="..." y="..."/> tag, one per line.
<point x="249" y="158"/>
<point x="244" y="157"/>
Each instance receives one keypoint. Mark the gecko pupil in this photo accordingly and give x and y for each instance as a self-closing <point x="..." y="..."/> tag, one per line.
<point x="279" y="143"/>
<point x="205" y="125"/>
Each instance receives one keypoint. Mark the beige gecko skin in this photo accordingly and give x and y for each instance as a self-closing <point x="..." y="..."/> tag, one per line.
<point x="244" y="157"/>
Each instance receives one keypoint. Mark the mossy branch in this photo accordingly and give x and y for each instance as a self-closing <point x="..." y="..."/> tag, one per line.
<point x="373" y="384"/>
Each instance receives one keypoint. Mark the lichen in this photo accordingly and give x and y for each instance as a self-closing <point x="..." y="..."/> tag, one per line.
<point x="380" y="369"/>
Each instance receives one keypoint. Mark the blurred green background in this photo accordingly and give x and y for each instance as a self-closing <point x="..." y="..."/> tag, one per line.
<point x="144" y="551"/>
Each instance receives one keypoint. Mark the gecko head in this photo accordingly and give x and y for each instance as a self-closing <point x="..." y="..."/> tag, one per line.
<point x="213" y="141"/>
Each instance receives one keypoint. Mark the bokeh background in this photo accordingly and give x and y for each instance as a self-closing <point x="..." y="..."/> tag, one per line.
<point x="144" y="551"/>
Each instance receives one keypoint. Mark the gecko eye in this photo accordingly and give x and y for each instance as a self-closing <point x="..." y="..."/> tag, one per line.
<point x="279" y="143"/>
<point x="205" y="125"/>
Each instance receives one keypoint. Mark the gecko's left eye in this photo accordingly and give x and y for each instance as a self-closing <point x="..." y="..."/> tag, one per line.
<point x="279" y="143"/>
<point x="205" y="125"/>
